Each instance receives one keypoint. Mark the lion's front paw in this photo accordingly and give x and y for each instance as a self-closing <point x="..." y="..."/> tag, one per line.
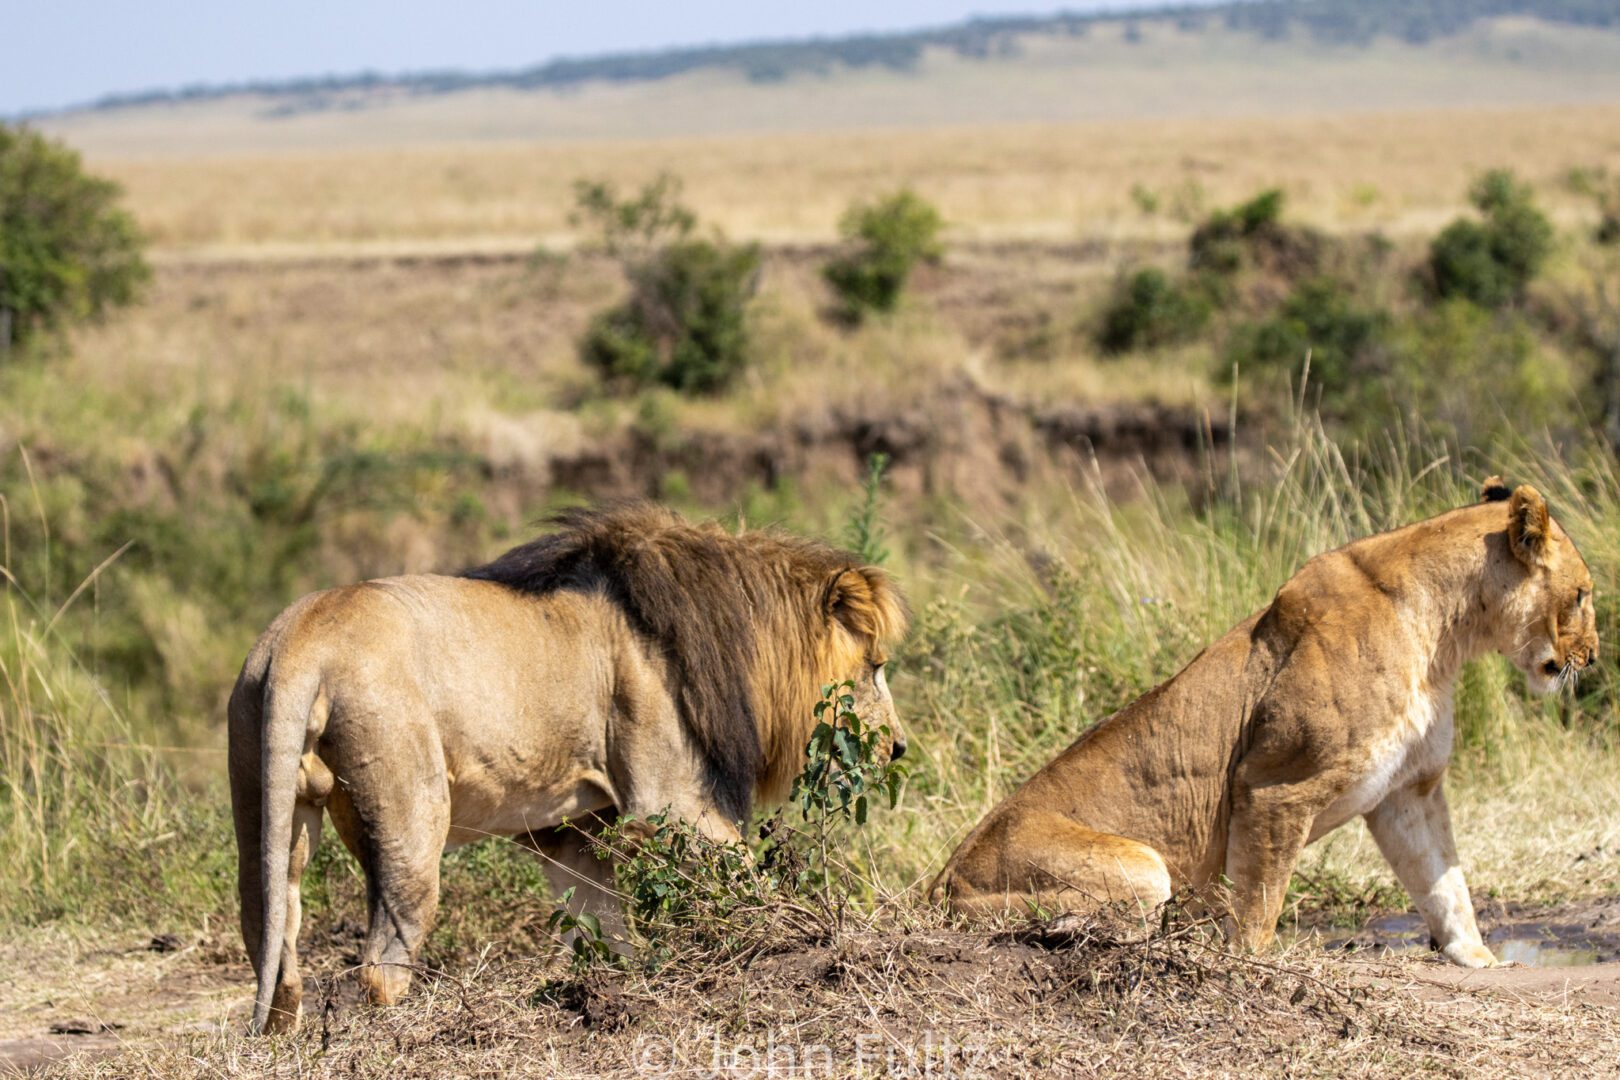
<point x="1469" y="954"/>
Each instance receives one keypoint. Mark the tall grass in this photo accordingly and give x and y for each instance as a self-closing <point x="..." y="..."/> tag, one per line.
<point x="92" y="821"/>
<point x="1038" y="629"/>
<point x="1030" y="627"/>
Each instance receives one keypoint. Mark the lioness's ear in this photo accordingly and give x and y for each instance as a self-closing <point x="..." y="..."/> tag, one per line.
<point x="1494" y="489"/>
<point x="1529" y="529"/>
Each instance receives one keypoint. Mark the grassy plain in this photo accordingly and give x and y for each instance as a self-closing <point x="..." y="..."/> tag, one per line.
<point x="1397" y="171"/>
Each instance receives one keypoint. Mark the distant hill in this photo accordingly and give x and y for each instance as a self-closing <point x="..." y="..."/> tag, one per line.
<point x="1331" y="22"/>
<point x="1251" y="58"/>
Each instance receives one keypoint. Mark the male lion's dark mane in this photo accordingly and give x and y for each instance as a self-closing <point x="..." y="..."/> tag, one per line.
<point x="700" y="594"/>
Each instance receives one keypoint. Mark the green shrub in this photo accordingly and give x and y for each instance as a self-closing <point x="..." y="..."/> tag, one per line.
<point x="1321" y="317"/>
<point x="1218" y="245"/>
<point x="1149" y="310"/>
<point x="1490" y="262"/>
<point x="688" y="894"/>
<point x="67" y="251"/>
<point x="887" y="239"/>
<point x="685" y="322"/>
<point x="1471" y="373"/>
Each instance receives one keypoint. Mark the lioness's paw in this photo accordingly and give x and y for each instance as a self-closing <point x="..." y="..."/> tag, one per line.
<point x="1468" y="954"/>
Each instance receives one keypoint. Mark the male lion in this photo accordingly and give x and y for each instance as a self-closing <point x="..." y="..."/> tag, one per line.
<point x="629" y="663"/>
<point x="1334" y="701"/>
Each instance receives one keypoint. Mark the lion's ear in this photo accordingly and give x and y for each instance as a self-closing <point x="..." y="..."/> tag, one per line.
<point x="1529" y="527"/>
<point x="1494" y="489"/>
<point x="863" y="600"/>
<point x="849" y="600"/>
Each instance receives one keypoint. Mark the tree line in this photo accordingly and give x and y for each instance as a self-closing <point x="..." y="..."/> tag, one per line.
<point x="1336" y="22"/>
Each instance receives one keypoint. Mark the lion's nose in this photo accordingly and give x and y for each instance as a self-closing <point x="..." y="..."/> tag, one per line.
<point x="899" y="750"/>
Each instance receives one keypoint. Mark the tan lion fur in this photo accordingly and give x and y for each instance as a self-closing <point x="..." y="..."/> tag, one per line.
<point x="1333" y="702"/>
<point x="627" y="663"/>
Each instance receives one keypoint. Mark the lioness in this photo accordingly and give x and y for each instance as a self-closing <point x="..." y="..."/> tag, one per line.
<point x="1334" y="701"/>
<point x="629" y="663"/>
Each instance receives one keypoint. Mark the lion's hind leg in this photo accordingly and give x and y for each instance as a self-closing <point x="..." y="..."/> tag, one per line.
<point x="395" y="821"/>
<point x="1049" y="862"/>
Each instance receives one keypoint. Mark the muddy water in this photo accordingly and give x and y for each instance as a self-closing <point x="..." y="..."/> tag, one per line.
<point x="1531" y="943"/>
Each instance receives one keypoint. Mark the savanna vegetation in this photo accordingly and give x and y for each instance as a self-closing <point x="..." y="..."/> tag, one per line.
<point x="172" y="478"/>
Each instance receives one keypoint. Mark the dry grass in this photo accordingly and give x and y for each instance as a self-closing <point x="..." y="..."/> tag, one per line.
<point x="483" y="353"/>
<point x="897" y="996"/>
<point x="1398" y="171"/>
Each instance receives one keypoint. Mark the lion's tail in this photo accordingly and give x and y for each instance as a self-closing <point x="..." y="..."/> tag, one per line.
<point x="295" y="713"/>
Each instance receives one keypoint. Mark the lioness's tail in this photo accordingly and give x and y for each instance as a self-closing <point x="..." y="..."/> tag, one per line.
<point x="290" y="713"/>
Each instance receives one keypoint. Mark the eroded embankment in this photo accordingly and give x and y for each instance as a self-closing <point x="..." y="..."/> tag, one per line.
<point x="957" y="441"/>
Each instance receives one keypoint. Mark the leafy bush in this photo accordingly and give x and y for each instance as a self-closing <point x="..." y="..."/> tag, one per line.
<point x="685" y="322"/>
<point x="1218" y="244"/>
<point x="1492" y="261"/>
<point x="67" y="251"/>
<point x="1471" y="373"/>
<point x="1322" y="318"/>
<point x="1148" y="310"/>
<point x="687" y="893"/>
<point x="888" y="237"/>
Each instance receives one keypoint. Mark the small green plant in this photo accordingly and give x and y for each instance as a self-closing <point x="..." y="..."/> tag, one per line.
<point x="1491" y="261"/>
<point x="685" y="322"/>
<point x="886" y="240"/>
<point x="845" y="766"/>
<point x="865" y="525"/>
<point x="1146" y="199"/>
<point x="684" y="889"/>
<point x="587" y="946"/>
<point x="1149" y="310"/>
<point x="67" y="251"/>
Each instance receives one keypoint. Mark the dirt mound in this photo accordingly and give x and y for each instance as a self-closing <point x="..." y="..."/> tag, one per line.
<point x="917" y="997"/>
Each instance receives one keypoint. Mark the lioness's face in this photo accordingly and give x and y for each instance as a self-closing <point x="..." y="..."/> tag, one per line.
<point x="1561" y="640"/>
<point x="1557" y="637"/>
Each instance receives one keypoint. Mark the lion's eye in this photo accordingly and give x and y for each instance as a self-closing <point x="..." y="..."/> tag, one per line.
<point x="1580" y="597"/>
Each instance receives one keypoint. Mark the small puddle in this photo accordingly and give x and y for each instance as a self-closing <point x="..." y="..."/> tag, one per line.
<point x="1538" y="953"/>
<point x="1530" y="944"/>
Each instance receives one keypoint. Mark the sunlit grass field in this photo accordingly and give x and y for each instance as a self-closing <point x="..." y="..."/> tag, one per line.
<point x="1397" y="171"/>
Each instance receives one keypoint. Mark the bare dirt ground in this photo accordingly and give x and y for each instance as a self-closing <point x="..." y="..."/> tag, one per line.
<point x="909" y="999"/>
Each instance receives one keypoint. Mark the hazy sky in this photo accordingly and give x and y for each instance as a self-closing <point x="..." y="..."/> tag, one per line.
<point x="59" y="52"/>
